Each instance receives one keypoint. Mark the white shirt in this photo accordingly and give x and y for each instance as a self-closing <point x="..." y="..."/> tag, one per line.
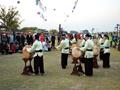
<point x="100" y="42"/>
<point x="64" y="44"/>
<point x="82" y="44"/>
<point x="37" y="45"/>
<point x="88" y="45"/>
<point x="106" y="46"/>
<point x="45" y="48"/>
<point x="73" y="40"/>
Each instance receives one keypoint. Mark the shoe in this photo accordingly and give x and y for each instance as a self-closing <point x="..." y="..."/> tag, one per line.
<point x="35" y="74"/>
<point x="63" y="67"/>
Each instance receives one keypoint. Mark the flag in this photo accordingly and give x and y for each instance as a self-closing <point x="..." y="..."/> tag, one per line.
<point x="37" y="1"/>
<point x="75" y="5"/>
<point x="42" y="7"/>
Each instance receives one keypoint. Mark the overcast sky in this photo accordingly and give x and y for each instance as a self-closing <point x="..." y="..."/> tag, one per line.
<point x="102" y="15"/>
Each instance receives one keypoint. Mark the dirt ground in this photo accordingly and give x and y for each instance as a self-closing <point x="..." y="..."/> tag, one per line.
<point x="56" y="78"/>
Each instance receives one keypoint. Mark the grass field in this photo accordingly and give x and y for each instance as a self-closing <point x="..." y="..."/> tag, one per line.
<point x="56" y="78"/>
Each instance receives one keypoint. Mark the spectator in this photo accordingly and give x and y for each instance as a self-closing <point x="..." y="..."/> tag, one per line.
<point x="42" y="38"/>
<point x="53" y="41"/>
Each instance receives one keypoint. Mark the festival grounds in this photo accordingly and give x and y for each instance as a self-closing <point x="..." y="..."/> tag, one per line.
<point x="56" y="78"/>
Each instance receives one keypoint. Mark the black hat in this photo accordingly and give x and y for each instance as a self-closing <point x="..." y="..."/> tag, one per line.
<point x="100" y="35"/>
<point x="105" y="35"/>
<point x="88" y="35"/>
<point x="37" y="36"/>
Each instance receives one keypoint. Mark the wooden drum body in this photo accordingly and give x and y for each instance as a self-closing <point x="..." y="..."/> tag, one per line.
<point x="96" y="50"/>
<point x="25" y="54"/>
<point x="76" y="54"/>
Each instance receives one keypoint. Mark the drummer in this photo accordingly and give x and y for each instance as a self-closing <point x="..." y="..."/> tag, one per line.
<point x="101" y="42"/>
<point x="37" y="48"/>
<point x="106" y="55"/>
<point x="82" y="44"/>
<point x="88" y="48"/>
<point x="64" y="47"/>
<point x="73" y="40"/>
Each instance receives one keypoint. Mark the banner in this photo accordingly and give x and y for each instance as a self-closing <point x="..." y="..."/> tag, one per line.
<point x="37" y="1"/>
<point x="75" y="4"/>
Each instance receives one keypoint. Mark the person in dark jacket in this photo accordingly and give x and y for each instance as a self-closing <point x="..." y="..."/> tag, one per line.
<point x="22" y="40"/>
<point x="53" y="41"/>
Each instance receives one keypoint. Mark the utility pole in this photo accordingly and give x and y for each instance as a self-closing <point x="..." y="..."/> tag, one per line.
<point x="93" y="31"/>
<point x="118" y="28"/>
<point x="60" y="33"/>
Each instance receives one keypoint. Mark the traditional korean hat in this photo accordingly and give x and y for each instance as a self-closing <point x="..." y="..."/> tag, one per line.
<point x="105" y="35"/>
<point x="88" y="35"/>
<point x="100" y="35"/>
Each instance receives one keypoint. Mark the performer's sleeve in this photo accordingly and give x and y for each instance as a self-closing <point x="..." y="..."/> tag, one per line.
<point x="92" y="43"/>
<point x="73" y="40"/>
<point x="85" y="47"/>
<point x="99" y="42"/>
<point x="60" y="46"/>
<point x="104" y="44"/>
<point x="82" y="43"/>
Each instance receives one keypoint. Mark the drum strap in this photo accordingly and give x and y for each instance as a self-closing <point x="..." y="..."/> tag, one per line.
<point x="83" y="45"/>
<point x="38" y="51"/>
<point x="67" y="48"/>
<point x="102" y="43"/>
<point x="89" y="50"/>
<point x="106" y="47"/>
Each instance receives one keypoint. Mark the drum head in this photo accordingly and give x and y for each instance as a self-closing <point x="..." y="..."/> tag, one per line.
<point x="74" y="45"/>
<point x="25" y="53"/>
<point x="76" y="53"/>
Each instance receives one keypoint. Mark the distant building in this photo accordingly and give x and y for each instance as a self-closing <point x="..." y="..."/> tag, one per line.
<point x="73" y="32"/>
<point x="42" y="31"/>
<point x="85" y="31"/>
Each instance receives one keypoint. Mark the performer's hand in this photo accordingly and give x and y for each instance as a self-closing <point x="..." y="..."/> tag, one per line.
<point x="56" y="48"/>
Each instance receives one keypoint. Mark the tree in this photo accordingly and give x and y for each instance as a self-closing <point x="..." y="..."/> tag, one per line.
<point x="9" y="18"/>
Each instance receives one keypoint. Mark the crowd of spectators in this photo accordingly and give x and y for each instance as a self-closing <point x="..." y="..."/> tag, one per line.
<point x="13" y="42"/>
